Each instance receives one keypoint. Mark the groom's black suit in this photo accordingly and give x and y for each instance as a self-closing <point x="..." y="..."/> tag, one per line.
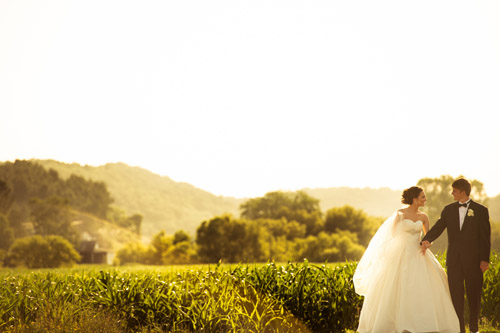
<point x="466" y="249"/>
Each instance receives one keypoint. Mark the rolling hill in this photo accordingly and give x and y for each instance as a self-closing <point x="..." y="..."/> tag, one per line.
<point x="171" y="206"/>
<point x="165" y="204"/>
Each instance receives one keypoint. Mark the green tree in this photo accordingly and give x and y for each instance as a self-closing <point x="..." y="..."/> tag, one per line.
<point x="6" y="198"/>
<point x="160" y="244"/>
<point x="135" y="222"/>
<point x="281" y="227"/>
<point x="163" y="249"/>
<point x="118" y="216"/>
<point x="255" y="248"/>
<point x="438" y="193"/>
<point x="336" y="247"/>
<point x="29" y="180"/>
<point x="214" y="239"/>
<point x="348" y="218"/>
<point x="181" y="236"/>
<point x="292" y="206"/>
<point x="6" y="233"/>
<point x="17" y="215"/>
<point x="52" y="217"/>
<point x="88" y="196"/>
<point x="228" y="239"/>
<point x="180" y="253"/>
<point x="136" y="253"/>
<point x="275" y="205"/>
<point x="43" y="252"/>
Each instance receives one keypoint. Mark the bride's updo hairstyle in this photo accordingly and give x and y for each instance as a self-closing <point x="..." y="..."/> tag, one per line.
<point x="410" y="193"/>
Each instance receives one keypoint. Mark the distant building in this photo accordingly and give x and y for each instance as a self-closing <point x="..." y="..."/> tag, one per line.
<point x="91" y="254"/>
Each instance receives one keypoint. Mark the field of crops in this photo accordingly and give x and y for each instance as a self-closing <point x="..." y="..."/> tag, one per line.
<point x="293" y="297"/>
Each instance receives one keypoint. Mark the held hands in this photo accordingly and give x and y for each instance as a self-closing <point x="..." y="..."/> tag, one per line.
<point x="425" y="245"/>
<point x="484" y="266"/>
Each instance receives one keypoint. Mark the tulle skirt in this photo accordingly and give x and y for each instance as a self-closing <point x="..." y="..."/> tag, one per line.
<point x="410" y="294"/>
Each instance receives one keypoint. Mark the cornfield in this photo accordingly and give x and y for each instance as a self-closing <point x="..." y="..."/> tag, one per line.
<point x="294" y="297"/>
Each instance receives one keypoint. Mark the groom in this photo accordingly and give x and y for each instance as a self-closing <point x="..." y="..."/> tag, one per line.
<point x="468" y="227"/>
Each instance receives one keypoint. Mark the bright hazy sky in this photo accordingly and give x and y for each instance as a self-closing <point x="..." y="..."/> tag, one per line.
<point x="244" y="97"/>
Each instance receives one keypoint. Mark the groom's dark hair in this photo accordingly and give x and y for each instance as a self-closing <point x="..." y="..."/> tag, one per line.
<point x="462" y="184"/>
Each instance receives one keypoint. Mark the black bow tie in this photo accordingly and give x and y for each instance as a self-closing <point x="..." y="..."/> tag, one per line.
<point x="462" y="205"/>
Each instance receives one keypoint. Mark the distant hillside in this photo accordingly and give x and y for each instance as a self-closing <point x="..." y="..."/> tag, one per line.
<point x="375" y="202"/>
<point x="170" y="206"/>
<point x="165" y="204"/>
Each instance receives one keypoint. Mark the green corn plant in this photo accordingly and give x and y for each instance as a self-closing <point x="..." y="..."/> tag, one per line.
<point x="298" y="297"/>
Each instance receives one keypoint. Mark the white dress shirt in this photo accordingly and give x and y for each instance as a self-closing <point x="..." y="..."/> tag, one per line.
<point x="462" y="211"/>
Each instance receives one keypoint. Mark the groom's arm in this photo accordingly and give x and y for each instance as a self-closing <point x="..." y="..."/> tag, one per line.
<point x="437" y="229"/>
<point x="485" y="236"/>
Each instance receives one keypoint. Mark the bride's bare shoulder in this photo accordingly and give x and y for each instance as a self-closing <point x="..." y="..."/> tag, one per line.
<point x="423" y="216"/>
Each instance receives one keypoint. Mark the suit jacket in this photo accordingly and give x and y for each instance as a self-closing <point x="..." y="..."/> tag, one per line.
<point x="468" y="246"/>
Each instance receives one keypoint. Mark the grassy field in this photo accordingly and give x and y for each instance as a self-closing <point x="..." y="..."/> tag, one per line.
<point x="155" y="269"/>
<point x="288" y="297"/>
<point x="255" y="298"/>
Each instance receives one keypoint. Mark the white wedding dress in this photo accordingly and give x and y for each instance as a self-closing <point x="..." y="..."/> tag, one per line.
<point x="404" y="290"/>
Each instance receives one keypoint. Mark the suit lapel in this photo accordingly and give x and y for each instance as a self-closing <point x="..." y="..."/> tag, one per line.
<point x="466" y="219"/>
<point x="456" y="217"/>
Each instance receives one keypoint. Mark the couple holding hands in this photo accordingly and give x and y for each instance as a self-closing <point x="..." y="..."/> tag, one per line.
<point x="405" y="287"/>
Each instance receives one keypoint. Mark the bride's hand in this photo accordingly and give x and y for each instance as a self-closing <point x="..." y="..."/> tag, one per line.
<point x="484" y="266"/>
<point x="425" y="245"/>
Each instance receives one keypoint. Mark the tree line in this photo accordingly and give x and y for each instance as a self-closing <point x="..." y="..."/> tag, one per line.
<point x="280" y="226"/>
<point x="289" y="226"/>
<point x="36" y="201"/>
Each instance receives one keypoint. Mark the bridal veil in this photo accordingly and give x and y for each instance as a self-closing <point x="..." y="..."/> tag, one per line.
<point x="377" y="253"/>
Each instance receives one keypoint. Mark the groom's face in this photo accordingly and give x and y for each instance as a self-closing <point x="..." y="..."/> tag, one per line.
<point x="458" y="194"/>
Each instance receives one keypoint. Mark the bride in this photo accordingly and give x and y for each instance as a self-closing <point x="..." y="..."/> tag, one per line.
<point x="405" y="290"/>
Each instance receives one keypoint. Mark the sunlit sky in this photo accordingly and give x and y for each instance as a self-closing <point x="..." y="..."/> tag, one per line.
<point x="244" y="97"/>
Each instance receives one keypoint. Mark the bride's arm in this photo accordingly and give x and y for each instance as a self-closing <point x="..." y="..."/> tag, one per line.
<point x="426" y="224"/>
<point x="424" y="245"/>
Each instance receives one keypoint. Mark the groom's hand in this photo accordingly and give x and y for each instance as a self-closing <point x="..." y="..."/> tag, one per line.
<point x="425" y="245"/>
<point x="484" y="266"/>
